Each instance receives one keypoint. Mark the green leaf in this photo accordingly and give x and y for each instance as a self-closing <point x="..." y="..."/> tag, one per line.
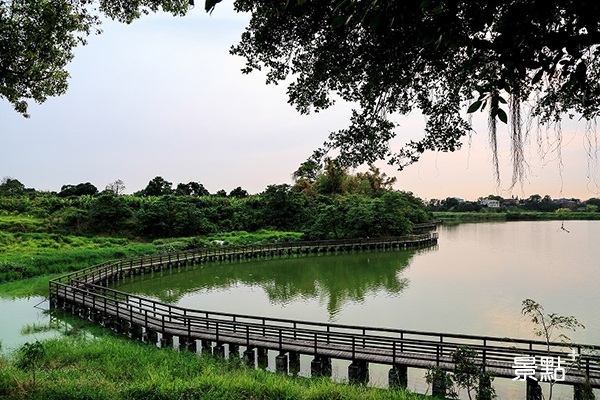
<point x="376" y="20"/>
<point x="474" y="107"/>
<point x="439" y="41"/>
<point x="338" y="21"/>
<point x="502" y="116"/>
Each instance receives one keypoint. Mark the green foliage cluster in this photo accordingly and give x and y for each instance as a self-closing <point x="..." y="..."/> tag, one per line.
<point x="26" y="265"/>
<point x="336" y="205"/>
<point x="241" y="238"/>
<point x="114" y="368"/>
<point x="80" y="189"/>
<point x="45" y="233"/>
<point x="357" y="216"/>
<point x="467" y="375"/>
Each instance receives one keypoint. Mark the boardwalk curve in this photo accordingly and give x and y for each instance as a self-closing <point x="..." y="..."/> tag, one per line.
<point x="86" y="294"/>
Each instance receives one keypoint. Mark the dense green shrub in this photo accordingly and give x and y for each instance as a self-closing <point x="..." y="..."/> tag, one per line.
<point x="279" y="207"/>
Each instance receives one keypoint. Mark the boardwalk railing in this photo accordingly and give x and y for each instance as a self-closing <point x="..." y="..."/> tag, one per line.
<point x="85" y="293"/>
<point x="221" y="253"/>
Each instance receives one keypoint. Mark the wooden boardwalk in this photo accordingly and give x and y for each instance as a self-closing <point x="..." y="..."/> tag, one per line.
<point x="85" y="293"/>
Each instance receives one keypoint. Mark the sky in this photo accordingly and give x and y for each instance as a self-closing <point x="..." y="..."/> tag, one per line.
<point x="163" y="97"/>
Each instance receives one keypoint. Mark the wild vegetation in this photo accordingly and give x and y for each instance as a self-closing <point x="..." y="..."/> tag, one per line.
<point x="45" y="233"/>
<point x="109" y="367"/>
<point x="48" y="233"/>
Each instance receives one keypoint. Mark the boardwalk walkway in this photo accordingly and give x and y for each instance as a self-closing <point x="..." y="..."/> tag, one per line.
<point x="85" y="293"/>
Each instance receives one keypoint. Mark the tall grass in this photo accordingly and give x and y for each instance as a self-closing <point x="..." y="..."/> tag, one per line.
<point x="114" y="368"/>
<point x="27" y="265"/>
<point x="26" y="255"/>
<point x="21" y="223"/>
<point x="239" y="238"/>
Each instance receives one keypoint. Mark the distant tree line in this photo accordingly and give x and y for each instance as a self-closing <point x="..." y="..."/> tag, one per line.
<point x="532" y="203"/>
<point x="334" y="204"/>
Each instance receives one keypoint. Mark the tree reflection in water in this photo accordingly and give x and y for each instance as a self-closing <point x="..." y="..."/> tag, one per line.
<point x="336" y="279"/>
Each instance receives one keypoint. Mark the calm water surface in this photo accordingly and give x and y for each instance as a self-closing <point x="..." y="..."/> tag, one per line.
<point x="472" y="282"/>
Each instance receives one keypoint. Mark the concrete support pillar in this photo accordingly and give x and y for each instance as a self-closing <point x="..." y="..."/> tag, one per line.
<point x="583" y="391"/>
<point x="534" y="391"/>
<point x="262" y="357"/>
<point x="91" y="314"/>
<point x="234" y="350"/>
<point x="219" y="350"/>
<point x="281" y="363"/>
<point x="145" y="338"/>
<point x="398" y="376"/>
<point x="166" y="340"/>
<point x="358" y="372"/>
<point x="294" y="362"/>
<point x="249" y="357"/>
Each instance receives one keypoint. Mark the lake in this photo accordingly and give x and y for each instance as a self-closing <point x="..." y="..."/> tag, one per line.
<point x="472" y="282"/>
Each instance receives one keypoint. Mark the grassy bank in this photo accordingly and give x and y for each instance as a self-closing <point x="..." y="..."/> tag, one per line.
<point x="113" y="368"/>
<point x="516" y="216"/>
<point x="26" y="265"/>
<point x="26" y="255"/>
<point x="470" y="216"/>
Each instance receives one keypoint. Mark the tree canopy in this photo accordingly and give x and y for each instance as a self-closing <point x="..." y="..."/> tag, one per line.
<point x="444" y="58"/>
<point x="38" y="37"/>
<point x="441" y="57"/>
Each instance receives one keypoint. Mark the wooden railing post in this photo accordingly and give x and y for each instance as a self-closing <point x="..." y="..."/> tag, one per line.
<point x="484" y="355"/>
<point x="280" y="340"/>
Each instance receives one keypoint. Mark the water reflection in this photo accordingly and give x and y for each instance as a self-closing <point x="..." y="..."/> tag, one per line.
<point x="334" y="280"/>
